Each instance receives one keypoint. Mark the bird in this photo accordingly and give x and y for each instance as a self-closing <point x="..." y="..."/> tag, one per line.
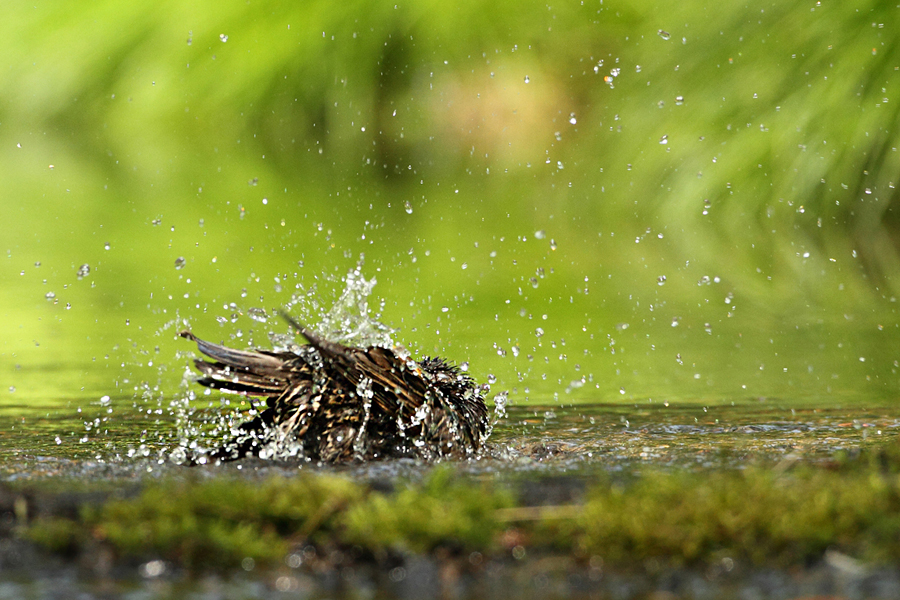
<point x="332" y="403"/>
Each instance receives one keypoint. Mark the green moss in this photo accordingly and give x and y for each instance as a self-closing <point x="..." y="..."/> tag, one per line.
<point x="56" y="534"/>
<point x="760" y="515"/>
<point x="222" y="521"/>
<point x="757" y="515"/>
<point x="442" y="512"/>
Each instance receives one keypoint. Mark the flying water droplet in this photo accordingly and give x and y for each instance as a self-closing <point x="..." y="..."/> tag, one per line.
<point x="83" y="271"/>
<point x="258" y="314"/>
<point x="500" y="401"/>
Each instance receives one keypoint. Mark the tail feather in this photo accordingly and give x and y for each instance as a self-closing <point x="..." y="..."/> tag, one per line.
<point x="240" y="371"/>
<point x="237" y="359"/>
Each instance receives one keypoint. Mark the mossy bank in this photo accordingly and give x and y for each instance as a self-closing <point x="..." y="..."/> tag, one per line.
<point x="784" y="515"/>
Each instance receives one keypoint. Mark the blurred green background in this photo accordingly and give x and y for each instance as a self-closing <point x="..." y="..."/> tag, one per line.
<point x="595" y="201"/>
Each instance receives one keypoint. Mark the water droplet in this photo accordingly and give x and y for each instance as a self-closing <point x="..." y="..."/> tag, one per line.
<point x="180" y="262"/>
<point x="253" y="182"/>
<point x="661" y="280"/>
<point x="664" y="139"/>
<point x="527" y="79"/>
<point x="445" y="309"/>
<point x="258" y="314"/>
<point x="49" y="295"/>
<point x="664" y="34"/>
<point x="500" y="401"/>
<point x="464" y="366"/>
<point x="223" y="37"/>
<point x="106" y="246"/>
<point x="539" y="332"/>
<point x="679" y="100"/>
<point x="104" y="401"/>
<point x="552" y="244"/>
<point x="540" y="234"/>
<point x="676" y="321"/>
<point x="83" y="271"/>
<point x="408" y="207"/>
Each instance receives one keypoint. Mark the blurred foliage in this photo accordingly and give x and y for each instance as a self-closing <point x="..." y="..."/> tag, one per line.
<point x="659" y="198"/>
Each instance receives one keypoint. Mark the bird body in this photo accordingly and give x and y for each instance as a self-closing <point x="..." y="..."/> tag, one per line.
<point x="337" y="403"/>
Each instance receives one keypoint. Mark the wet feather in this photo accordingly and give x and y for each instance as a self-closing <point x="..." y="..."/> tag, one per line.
<point x="337" y="403"/>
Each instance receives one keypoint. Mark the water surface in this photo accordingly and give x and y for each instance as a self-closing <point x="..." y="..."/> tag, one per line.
<point x="96" y="441"/>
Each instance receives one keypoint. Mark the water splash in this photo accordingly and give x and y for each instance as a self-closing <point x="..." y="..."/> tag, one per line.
<point x="351" y="321"/>
<point x="230" y="427"/>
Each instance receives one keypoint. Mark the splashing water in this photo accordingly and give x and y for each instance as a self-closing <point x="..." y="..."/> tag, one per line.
<point x="350" y="321"/>
<point x="309" y="415"/>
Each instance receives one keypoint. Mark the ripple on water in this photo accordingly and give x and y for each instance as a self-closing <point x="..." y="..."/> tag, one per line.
<point x="43" y="442"/>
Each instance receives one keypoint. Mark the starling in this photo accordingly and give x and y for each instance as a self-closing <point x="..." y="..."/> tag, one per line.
<point x="334" y="403"/>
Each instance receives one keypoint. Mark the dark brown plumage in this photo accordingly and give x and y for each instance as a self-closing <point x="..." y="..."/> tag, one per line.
<point x="335" y="403"/>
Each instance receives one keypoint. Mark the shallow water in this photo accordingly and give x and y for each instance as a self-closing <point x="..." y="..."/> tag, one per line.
<point x="97" y="442"/>
<point x="715" y="436"/>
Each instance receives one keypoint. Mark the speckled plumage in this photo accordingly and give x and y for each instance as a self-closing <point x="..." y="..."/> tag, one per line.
<point x="337" y="403"/>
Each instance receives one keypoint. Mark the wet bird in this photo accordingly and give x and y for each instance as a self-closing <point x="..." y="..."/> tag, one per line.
<point x="335" y="403"/>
